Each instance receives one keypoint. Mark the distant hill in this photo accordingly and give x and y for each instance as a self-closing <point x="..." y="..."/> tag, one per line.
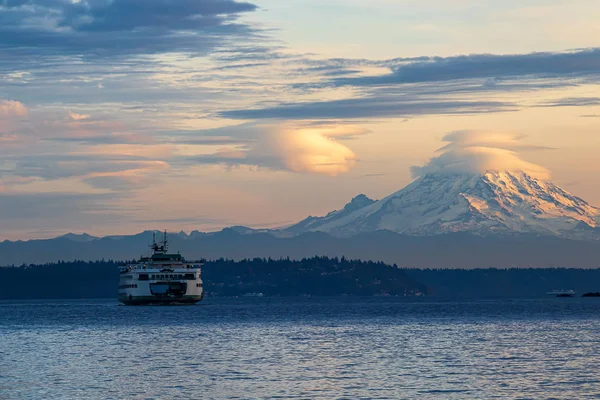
<point x="455" y="250"/>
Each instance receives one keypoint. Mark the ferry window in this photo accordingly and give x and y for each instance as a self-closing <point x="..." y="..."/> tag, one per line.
<point x="190" y="277"/>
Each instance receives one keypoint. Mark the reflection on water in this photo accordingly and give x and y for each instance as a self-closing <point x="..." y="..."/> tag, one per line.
<point x="301" y="348"/>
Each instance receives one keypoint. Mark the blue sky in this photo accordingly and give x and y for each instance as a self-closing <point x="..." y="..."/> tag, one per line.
<point x="128" y="115"/>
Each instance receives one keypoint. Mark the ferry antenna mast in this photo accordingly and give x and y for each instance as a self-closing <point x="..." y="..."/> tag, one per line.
<point x="165" y="242"/>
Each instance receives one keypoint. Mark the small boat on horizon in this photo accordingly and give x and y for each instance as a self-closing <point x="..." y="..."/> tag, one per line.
<point x="562" y="293"/>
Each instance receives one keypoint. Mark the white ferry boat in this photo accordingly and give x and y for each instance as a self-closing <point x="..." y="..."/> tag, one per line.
<point x="162" y="278"/>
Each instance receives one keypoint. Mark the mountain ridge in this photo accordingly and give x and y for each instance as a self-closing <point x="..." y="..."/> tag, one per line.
<point x="452" y="250"/>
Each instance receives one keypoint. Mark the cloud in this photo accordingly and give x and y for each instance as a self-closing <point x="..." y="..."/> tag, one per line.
<point x="311" y="149"/>
<point x="478" y="152"/>
<point x="572" y="102"/>
<point x="467" y="84"/>
<point x="50" y="214"/>
<point x="78" y="117"/>
<point x="12" y="114"/>
<point x="9" y="108"/>
<point x="31" y="206"/>
<point x="379" y="105"/>
<point x="59" y="166"/>
<point x="105" y="28"/>
<point x="484" y="66"/>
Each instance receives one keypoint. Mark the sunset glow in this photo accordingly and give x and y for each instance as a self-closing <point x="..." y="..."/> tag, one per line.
<point x="262" y="113"/>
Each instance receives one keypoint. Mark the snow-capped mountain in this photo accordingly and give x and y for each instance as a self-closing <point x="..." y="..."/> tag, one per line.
<point x="493" y="202"/>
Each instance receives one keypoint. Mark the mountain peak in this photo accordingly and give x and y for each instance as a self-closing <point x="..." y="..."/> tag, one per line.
<point x="358" y="202"/>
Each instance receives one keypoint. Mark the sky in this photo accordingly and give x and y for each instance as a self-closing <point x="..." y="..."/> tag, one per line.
<point x="118" y="116"/>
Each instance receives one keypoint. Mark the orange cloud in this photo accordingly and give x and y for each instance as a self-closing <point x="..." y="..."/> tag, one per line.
<point x="78" y="117"/>
<point x="313" y="150"/>
<point x="12" y="108"/>
<point x="304" y="149"/>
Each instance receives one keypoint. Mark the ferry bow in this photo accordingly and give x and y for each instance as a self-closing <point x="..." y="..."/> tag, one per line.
<point x="162" y="278"/>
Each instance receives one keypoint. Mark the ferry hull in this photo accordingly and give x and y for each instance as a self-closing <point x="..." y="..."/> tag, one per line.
<point x="154" y="300"/>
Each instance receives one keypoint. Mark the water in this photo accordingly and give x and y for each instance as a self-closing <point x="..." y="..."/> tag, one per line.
<point x="301" y="348"/>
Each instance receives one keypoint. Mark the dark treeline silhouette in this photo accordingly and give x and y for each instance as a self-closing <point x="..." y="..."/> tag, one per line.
<point x="320" y="276"/>
<point x="510" y="282"/>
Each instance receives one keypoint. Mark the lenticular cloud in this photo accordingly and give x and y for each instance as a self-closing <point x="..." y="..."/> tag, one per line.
<point x="478" y="152"/>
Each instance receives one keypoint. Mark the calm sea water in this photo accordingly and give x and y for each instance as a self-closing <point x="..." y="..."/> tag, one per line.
<point x="301" y="348"/>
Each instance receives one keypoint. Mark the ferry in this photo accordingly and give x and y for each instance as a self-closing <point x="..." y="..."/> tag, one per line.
<point x="162" y="278"/>
<point x="562" y="293"/>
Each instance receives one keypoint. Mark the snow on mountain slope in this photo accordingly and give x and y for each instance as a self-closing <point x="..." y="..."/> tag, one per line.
<point x="492" y="202"/>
